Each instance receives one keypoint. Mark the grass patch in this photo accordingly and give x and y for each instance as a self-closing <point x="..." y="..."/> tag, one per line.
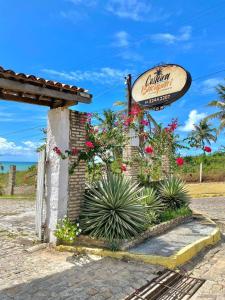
<point x="204" y="190"/>
<point x="170" y="214"/>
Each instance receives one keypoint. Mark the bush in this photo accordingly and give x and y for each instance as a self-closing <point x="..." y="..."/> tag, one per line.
<point x="173" y="193"/>
<point x="152" y="204"/>
<point x="170" y="214"/>
<point x="112" y="209"/>
<point x="67" y="231"/>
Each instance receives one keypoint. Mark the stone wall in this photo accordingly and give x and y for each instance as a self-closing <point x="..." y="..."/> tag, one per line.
<point x="77" y="138"/>
<point x="130" y="153"/>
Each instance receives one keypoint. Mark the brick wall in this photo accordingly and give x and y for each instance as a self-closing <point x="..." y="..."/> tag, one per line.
<point x="77" y="179"/>
<point x="129" y="153"/>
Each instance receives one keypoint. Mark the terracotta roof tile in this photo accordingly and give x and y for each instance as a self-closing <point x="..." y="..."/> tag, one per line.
<point x="39" y="81"/>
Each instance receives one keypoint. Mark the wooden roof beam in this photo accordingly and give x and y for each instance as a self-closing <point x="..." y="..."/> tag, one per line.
<point x="27" y="88"/>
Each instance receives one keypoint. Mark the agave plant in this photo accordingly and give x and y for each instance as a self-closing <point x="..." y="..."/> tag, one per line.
<point x="112" y="209"/>
<point x="154" y="206"/>
<point x="173" y="193"/>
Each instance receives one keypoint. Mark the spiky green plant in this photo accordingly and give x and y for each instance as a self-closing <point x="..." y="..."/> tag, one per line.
<point x="173" y="193"/>
<point x="112" y="209"/>
<point x="154" y="206"/>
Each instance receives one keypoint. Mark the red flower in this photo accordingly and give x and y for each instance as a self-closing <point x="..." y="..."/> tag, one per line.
<point x="89" y="144"/>
<point x="123" y="168"/>
<point x="207" y="149"/>
<point x="144" y="122"/>
<point x="57" y="150"/>
<point x="180" y="161"/>
<point x="149" y="150"/>
<point x="75" y="151"/>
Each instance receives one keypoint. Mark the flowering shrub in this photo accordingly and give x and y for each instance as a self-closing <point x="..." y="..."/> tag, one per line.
<point x="180" y="161"/>
<point x="207" y="149"/>
<point x="67" y="231"/>
<point x="105" y="142"/>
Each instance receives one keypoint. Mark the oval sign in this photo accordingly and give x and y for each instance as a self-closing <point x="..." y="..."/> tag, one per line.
<point x="161" y="86"/>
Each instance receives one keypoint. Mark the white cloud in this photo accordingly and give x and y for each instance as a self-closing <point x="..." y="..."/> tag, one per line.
<point x="193" y="118"/>
<point x="136" y="10"/>
<point x="89" y="3"/>
<point x="183" y="35"/>
<point x="129" y="9"/>
<point x="208" y="86"/>
<point x="11" y="148"/>
<point x="102" y="76"/>
<point x="121" y="39"/>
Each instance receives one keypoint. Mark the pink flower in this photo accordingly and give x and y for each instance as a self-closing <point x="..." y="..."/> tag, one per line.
<point x="89" y="144"/>
<point x="144" y="122"/>
<point x="179" y="161"/>
<point x="123" y="168"/>
<point x="207" y="149"/>
<point x="149" y="150"/>
<point x="172" y="126"/>
<point x="135" y="110"/>
<point x="57" y="150"/>
<point x="128" y="121"/>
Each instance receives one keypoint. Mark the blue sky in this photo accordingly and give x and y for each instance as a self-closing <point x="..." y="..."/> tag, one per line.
<point x="94" y="43"/>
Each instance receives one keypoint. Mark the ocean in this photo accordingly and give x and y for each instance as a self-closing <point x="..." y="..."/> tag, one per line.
<point x="20" y="166"/>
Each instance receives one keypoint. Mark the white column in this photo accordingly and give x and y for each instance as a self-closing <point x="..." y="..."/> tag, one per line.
<point x="56" y="169"/>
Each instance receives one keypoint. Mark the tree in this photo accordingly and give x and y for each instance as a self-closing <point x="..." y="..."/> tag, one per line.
<point x="220" y="105"/>
<point x="202" y="134"/>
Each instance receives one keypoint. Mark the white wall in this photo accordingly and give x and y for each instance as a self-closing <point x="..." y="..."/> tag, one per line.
<point x="56" y="169"/>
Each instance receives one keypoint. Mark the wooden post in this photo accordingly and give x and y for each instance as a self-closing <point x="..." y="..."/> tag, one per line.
<point x="11" y="180"/>
<point x="200" y="173"/>
<point x="129" y="95"/>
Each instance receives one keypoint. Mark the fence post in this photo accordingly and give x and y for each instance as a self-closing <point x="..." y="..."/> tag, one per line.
<point x="11" y="180"/>
<point x="200" y="173"/>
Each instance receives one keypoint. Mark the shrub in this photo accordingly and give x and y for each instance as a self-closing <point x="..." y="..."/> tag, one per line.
<point x="153" y="205"/>
<point x="173" y="193"/>
<point x="112" y="209"/>
<point x="170" y="214"/>
<point x="67" y="231"/>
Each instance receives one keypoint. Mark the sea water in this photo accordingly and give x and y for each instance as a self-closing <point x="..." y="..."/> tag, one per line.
<point x="20" y="166"/>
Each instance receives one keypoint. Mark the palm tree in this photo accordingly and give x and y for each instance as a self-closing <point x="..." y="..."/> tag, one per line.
<point x="220" y="105"/>
<point x="202" y="134"/>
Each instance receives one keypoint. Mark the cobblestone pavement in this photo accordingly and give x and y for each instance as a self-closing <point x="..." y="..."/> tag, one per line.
<point x="18" y="217"/>
<point x="213" y="207"/>
<point x="47" y="274"/>
<point x="210" y="264"/>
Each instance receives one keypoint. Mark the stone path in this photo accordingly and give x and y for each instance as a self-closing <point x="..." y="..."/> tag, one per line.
<point x="172" y="241"/>
<point x="48" y="274"/>
<point x="210" y="264"/>
<point x="213" y="207"/>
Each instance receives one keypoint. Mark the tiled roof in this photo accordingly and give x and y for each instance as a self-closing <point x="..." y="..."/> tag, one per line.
<point x="21" y="77"/>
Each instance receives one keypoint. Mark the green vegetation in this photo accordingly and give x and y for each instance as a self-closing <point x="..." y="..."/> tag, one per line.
<point x="112" y="209"/>
<point x="213" y="167"/>
<point x="170" y="214"/>
<point x="173" y="193"/>
<point x="115" y="208"/>
<point x="220" y="105"/>
<point x="153" y="205"/>
<point x="67" y="231"/>
<point x="27" y="177"/>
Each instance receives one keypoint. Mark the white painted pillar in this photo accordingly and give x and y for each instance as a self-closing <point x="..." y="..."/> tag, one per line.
<point x="56" y="169"/>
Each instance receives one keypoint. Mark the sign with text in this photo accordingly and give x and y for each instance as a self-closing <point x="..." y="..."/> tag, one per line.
<point x="161" y="86"/>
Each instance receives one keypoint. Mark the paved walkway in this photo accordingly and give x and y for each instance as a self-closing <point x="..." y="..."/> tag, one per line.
<point x="213" y="207"/>
<point x="172" y="241"/>
<point x="210" y="264"/>
<point x="48" y="274"/>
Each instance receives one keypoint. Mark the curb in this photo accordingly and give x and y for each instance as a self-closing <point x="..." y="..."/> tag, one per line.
<point x="171" y="262"/>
